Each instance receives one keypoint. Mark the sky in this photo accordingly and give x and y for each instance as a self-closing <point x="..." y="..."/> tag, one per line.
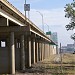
<point x="53" y="16"/>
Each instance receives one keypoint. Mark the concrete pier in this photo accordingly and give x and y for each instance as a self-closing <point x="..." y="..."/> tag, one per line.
<point x="29" y="45"/>
<point x="22" y="53"/>
<point x="12" y="52"/>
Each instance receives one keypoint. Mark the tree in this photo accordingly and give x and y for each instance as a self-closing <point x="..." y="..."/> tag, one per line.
<point x="70" y="13"/>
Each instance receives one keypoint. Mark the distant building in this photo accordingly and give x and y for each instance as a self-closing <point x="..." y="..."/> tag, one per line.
<point x="64" y="49"/>
<point x="68" y="49"/>
<point x="53" y="37"/>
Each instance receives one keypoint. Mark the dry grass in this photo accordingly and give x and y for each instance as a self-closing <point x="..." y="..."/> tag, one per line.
<point x="52" y="66"/>
<point x="68" y="64"/>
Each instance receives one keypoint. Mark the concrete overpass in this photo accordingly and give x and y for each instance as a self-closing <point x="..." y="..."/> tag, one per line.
<point x="22" y="43"/>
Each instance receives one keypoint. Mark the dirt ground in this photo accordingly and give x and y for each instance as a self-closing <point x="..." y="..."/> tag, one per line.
<point x="53" y="66"/>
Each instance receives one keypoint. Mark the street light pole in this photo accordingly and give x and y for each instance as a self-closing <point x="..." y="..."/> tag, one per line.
<point x="42" y="20"/>
<point x="47" y="26"/>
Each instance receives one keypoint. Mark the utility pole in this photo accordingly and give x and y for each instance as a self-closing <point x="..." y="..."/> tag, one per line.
<point x="61" y="58"/>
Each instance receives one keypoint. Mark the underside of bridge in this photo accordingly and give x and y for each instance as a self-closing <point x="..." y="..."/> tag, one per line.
<point x="21" y="45"/>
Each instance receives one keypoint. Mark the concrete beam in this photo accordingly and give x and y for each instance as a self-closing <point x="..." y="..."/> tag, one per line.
<point x="14" y="29"/>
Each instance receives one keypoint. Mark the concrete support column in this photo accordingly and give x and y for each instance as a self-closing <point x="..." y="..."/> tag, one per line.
<point x="12" y="52"/>
<point x="15" y="44"/>
<point x="29" y="46"/>
<point x="37" y="50"/>
<point x="34" y="51"/>
<point x="51" y="50"/>
<point x="42" y="51"/>
<point x="48" y="50"/>
<point x="45" y="50"/>
<point x="7" y="22"/>
<point x="22" y="53"/>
